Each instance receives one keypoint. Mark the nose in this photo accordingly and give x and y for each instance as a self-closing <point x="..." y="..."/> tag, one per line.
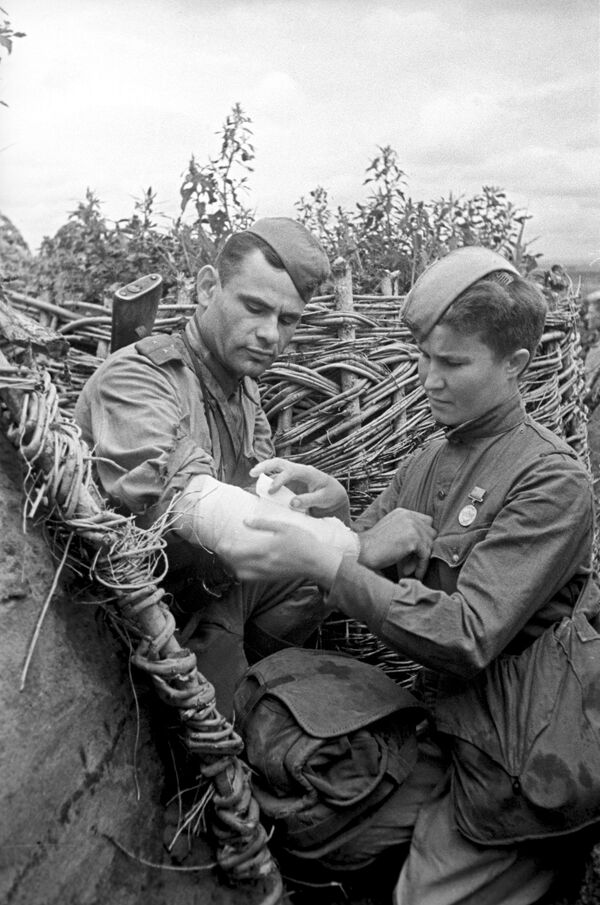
<point x="431" y="378"/>
<point x="268" y="330"/>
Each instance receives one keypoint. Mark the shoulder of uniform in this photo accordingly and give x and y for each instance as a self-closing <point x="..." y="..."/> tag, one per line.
<point x="419" y="458"/>
<point x="547" y="440"/>
<point x="426" y="449"/>
<point x="160" y="349"/>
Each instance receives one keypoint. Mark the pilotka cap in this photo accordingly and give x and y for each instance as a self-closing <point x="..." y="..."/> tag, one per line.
<point x="444" y="281"/>
<point x="303" y="258"/>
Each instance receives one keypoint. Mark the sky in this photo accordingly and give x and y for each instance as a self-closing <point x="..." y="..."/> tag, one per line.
<point x="116" y="95"/>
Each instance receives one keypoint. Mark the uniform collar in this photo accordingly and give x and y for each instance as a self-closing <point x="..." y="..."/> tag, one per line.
<point x="496" y="421"/>
<point x="227" y="382"/>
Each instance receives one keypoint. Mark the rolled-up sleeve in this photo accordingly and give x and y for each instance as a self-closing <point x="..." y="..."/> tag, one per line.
<point x="538" y="541"/>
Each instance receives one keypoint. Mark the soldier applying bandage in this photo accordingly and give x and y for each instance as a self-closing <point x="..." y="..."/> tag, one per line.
<point x="509" y="507"/>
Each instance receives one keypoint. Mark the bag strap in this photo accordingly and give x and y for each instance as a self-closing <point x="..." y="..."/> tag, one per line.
<point x="258" y="694"/>
<point x="213" y="414"/>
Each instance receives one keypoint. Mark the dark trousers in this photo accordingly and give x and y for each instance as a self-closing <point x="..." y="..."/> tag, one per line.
<point x="248" y="622"/>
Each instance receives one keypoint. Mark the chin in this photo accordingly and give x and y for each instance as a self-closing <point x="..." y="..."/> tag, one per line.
<point x="443" y="417"/>
<point x="253" y="370"/>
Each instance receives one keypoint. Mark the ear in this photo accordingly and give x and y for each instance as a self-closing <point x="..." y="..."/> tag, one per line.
<point x="517" y="362"/>
<point x="207" y="285"/>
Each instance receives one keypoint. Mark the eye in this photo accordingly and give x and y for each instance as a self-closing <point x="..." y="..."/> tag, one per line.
<point x="289" y="320"/>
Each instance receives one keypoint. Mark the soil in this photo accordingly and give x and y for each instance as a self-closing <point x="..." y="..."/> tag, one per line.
<point x="81" y="779"/>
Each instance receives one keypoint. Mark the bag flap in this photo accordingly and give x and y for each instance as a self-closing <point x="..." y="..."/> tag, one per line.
<point x="328" y="693"/>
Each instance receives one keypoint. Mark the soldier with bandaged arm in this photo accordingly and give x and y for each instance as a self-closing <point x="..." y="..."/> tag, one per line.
<point x="176" y="424"/>
<point x="509" y="507"/>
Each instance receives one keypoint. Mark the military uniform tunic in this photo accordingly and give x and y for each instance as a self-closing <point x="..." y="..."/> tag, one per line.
<point x="492" y="584"/>
<point x="156" y="413"/>
<point x="512" y="507"/>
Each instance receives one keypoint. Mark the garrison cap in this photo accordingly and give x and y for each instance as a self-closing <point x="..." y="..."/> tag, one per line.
<point x="303" y="258"/>
<point x="444" y="281"/>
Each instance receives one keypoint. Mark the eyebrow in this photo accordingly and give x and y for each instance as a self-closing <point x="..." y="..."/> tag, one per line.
<point x="447" y="356"/>
<point x="246" y="298"/>
<point x="454" y="356"/>
<point x="253" y="299"/>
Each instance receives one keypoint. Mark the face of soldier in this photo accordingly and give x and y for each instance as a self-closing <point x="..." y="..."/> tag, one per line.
<point x="250" y="320"/>
<point x="462" y="377"/>
<point x="592" y="315"/>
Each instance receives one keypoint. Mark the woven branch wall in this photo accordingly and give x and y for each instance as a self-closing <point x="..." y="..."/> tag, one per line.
<point x="346" y="398"/>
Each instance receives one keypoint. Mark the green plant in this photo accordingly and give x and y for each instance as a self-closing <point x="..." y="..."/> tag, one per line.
<point x="80" y="259"/>
<point x="7" y="35"/>
<point x="89" y="254"/>
<point x="215" y="192"/>
<point x="389" y="239"/>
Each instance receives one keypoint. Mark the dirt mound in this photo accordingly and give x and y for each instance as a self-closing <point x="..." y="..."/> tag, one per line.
<point x="74" y="752"/>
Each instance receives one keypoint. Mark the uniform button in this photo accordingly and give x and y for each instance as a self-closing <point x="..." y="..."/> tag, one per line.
<point x="441" y="494"/>
<point x="455" y="557"/>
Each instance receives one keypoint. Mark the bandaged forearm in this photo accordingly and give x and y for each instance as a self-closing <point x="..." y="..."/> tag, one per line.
<point x="208" y="512"/>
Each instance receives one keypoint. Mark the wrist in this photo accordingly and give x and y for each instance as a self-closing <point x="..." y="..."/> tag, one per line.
<point x="364" y="549"/>
<point x="325" y="567"/>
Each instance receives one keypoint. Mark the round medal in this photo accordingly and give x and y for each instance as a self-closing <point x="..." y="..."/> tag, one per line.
<point x="467" y="515"/>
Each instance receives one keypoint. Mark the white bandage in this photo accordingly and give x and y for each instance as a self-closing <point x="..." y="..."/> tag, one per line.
<point x="208" y="511"/>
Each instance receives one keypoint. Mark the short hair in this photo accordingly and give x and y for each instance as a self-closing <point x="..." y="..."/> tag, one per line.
<point x="237" y="248"/>
<point x="507" y="312"/>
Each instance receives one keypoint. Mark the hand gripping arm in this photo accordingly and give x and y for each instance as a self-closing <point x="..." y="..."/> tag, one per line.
<point x="212" y="514"/>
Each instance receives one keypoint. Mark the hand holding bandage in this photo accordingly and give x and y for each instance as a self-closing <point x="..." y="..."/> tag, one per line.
<point x="313" y="489"/>
<point x="257" y="536"/>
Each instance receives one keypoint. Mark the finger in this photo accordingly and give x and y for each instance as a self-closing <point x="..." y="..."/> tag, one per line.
<point x="422" y="563"/>
<point x="260" y="523"/>
<point x="247" y="573"/>
<point x="420" y="521"/>
<point x="425" y="531"/>
<point x="267" y="466"/>
<point x="416" y="517"/>
<point x="408" y="566"/>
<point x="304" y="501"/>
<point x="426" y="537"/>
<point x="429" y="535"/>
<point x="279" y="480"/>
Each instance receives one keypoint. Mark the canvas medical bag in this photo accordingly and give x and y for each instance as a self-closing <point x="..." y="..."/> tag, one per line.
<point x="329" y="738"/>
<point x="526" y="735"/>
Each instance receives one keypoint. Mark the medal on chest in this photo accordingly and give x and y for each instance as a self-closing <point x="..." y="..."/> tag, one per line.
<point x="468" y="513"/>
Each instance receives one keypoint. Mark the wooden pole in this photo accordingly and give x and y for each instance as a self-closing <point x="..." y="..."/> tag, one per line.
<point x="344" y="304"/>
<point x="285" y="419"/>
